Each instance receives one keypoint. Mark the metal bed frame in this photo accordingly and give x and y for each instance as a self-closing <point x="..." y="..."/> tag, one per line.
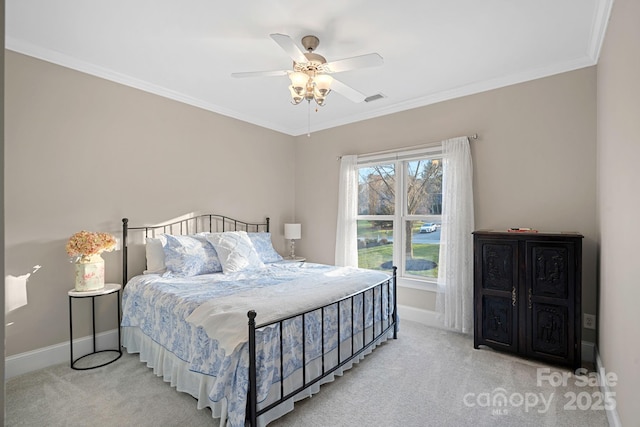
<point x="388" y="322"/>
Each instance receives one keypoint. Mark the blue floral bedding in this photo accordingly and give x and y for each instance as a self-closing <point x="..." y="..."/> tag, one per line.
<point x="158" y="306"/>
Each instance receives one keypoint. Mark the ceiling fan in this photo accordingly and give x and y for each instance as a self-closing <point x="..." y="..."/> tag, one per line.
<point x="310" y="75"/>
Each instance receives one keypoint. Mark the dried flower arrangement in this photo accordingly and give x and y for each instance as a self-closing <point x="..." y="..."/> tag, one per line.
<point x="85" y="244"/>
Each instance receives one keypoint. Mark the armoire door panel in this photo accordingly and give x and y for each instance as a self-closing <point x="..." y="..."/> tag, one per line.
<point x="550" y="269"/>
<point x="497" y="320"/>
<point x="499" y="266"/>
<point x="550" y="330"/>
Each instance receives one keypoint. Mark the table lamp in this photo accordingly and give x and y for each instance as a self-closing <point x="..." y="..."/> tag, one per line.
<point x="292" y="232"/>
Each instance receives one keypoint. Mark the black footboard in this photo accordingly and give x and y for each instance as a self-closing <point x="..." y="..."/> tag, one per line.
<point x="388" y="321"/>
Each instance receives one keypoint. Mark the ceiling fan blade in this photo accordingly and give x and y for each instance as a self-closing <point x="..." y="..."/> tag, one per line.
<point x="287" y="44"/>
<point x="274" y="73"/>
<point x="362" y="61"/>
<point x="347" y="91"/>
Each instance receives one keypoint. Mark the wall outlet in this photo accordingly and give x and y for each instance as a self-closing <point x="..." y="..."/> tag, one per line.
<point x="589" y="321"/>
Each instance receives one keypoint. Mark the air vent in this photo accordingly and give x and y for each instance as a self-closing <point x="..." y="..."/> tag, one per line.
<point x="374" y="97"/>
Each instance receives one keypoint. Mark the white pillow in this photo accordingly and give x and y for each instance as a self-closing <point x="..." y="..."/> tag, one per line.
<point x="235" y="251"/>
<point x="155" y="255"/>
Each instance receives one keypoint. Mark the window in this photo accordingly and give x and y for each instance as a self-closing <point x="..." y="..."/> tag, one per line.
<point x="399" y="214"/>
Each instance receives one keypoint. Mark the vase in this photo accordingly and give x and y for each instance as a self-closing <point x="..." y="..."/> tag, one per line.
<point x="90" y="274"/>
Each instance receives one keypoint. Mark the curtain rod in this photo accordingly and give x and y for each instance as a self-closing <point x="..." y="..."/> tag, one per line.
<point x="430" y="144"/>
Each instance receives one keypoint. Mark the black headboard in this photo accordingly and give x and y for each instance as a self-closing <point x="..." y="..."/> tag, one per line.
<point x="190" y="224"/>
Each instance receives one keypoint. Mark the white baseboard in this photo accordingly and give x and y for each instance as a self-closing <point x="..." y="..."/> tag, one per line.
<point x="612" y="414"/>
<point x="56" y="354"/>
<point x="426" y="317"/>
<point x="430" y="318"/>
<point x="588" y="351"/>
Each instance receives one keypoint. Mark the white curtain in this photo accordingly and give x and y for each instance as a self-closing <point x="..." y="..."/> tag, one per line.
<point x="346" y="230"/>
<point x="454" y="301"/>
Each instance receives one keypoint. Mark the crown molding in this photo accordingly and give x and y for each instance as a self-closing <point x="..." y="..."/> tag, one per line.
<point x="589" y="59"/>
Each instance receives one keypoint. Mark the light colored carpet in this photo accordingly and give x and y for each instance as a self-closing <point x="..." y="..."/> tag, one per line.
<point x="427" y="377"/>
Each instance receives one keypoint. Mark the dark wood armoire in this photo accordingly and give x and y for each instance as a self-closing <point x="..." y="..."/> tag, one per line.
<point x="527" y="294"/>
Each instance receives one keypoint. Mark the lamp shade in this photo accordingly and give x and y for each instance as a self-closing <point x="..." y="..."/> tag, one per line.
<point x="292" y="231"/>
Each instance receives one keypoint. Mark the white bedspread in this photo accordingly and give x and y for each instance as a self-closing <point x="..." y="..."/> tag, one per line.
<point x="225" y="318"/>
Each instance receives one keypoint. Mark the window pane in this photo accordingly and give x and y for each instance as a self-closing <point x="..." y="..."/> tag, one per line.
<point x="376" y="190"/>
<point x="422" y="248"/>
<point x="375" y="244"/>
<point x="424" y="187"/>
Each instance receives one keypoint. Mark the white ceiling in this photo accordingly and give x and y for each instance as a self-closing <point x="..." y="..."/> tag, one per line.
<point x="433" y="50"/>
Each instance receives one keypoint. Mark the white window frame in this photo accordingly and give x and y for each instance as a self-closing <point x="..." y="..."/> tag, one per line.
<point x="398" y="159"/>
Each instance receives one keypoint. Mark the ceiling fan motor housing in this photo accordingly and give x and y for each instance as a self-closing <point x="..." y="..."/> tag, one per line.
<point x="314" y="61"/>
<point x="310" y="43"/>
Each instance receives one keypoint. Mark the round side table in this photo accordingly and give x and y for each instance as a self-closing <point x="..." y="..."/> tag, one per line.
<point x="109" y="288"/>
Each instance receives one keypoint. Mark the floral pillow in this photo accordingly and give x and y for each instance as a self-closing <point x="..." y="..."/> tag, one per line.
<point x="264" y="247"/>
<point x="235" y="250"/>
<point x="191" y="255"/>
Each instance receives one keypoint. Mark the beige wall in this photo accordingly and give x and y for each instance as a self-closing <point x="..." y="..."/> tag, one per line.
<point x="619" y="204"/>
<point x="534" y="164"/>
<point x="82" y="152"/>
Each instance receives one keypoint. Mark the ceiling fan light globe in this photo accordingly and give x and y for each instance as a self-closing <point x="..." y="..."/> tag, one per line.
<point x="296" y="97"/>
<point x="319" y="101"/>
<point x="321" y="94"/>
<point x="298" y="81"/>
<point x="323" y="83"/>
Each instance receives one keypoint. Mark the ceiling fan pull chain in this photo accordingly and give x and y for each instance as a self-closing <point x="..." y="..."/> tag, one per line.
<point x="309" y="119"/>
